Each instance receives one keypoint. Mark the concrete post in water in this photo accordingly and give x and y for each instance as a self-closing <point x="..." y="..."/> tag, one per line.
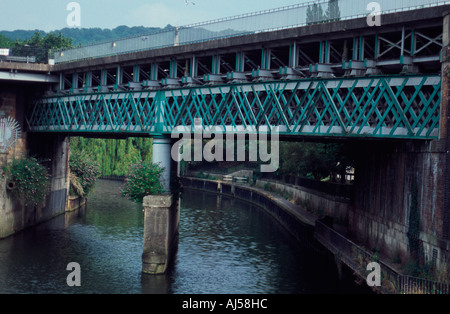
<point x="161" y="154"/>
<point x="160" y="232"/>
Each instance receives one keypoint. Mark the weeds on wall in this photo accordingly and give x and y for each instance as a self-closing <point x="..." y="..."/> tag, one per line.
<point x="27" y="180"/>
<point x="84" y="172"/>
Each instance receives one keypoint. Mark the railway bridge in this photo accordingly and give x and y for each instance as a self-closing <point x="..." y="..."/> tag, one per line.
<point x="335" y="77"/>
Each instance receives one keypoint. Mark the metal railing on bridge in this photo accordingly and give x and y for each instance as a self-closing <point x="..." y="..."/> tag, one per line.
<point x="263" y="21"/>
<point x="23" y="54"/>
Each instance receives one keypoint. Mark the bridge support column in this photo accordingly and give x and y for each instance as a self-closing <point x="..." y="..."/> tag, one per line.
<point x="160" y="233"/>
<point x="161" y="219"/>
<point x="162" y="155"/>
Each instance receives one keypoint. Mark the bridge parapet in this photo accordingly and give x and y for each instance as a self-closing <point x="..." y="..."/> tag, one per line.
<point x="287" y="17"/>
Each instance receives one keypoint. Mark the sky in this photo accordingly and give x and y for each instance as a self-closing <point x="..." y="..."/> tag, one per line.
<point x="49" y="15"/>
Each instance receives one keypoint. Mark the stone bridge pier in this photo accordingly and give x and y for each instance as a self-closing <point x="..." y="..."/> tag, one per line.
<point x="162" y="214"/>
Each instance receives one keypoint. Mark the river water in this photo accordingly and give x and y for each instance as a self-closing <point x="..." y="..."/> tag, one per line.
<point x="225" y="247"/>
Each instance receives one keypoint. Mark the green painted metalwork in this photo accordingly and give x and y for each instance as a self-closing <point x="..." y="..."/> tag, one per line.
<point x="379" y="106"/>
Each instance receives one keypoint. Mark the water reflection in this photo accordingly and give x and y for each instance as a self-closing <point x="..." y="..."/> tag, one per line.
<point x="228" y="246"/>
<point x="224" y="247"/>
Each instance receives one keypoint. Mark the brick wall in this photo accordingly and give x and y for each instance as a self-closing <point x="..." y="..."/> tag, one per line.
<point x="385" y="176"/>
<point x="13" y="215"/>
<point x="9" y="106"/>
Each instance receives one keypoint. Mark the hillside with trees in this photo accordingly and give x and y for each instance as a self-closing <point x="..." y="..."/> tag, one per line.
<point x="79" y="36"/>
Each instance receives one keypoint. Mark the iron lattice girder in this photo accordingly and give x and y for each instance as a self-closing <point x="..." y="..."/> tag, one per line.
<point x="390" y="107"/>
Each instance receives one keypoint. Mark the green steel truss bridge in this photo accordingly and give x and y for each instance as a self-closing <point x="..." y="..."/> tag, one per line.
<point x="395" y="106"/>
<point x="332" y="78"/>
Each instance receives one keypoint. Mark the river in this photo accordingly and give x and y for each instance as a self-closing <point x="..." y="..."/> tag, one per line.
<point x="225" y="247"/>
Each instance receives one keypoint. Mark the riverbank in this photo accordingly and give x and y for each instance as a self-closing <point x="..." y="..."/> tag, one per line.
<point x="307" y="227"/>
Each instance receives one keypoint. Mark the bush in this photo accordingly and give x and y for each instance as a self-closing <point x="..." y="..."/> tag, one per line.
<point x="84" y="173"/>
<point x="28" y="181"/>
<point x="143" y="179"/>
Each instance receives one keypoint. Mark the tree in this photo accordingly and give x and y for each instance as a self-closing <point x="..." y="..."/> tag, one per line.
<point x="315" y="160"/>
<point x="143" y="178"/>
<point x="333" y="12"/>
<point x="314" y="14"/>
<point x="5" y="42"/>
<point x="309" y="15"/>
<point x="40" y="44"/>
<point x="114" y="156"/>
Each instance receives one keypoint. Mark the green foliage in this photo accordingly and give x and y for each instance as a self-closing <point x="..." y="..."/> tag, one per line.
<point x="86" y="171"/>
<point x="76" y="189"/>
<point x="17" y="35"/>
<point x="114" y="156"/>
<point x="81" y="36"/>
<point x="315" y="14"/>
<point x="333" y="12"/>
<point x="5" y="42"/>
<point x="143" y="179"/>
<point x="425" y="271"/>
<point x="40" y="44"/>
<point x="50" y="41"/>
<point x="314" y="160"/>
<point x="28" y="180"/>
<point x="206" y="176"/>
